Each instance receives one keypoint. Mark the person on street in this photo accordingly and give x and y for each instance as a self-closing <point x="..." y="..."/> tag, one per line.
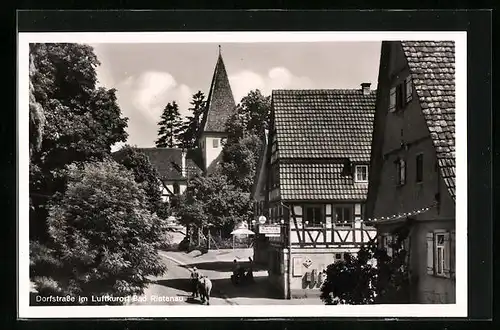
<point x="194" y="282"/>
<point x="250" y="269"/>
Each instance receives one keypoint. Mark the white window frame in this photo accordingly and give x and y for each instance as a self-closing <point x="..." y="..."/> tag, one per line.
<point x="439" y="254"/>
<point x="440" y="258"/>
<point x="215" y="143"/>
<point x="357" y="171"/>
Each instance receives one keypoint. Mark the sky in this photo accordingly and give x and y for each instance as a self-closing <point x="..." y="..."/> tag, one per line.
<point x="148" y="76"/>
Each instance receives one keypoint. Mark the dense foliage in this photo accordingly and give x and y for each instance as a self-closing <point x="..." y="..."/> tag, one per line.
<point x="191" y="127"/>
<point x="222" y="199"/>
<point x="371" y="276"/>
<point x="80" y="121"/>
<point x="170" y="127"/>
<point x="92" y="224"/>
<point x="104" y="240"/>
<point x="145" y="175"/>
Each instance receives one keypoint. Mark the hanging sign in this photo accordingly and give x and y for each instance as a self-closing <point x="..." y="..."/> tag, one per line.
<point x="270" y="230"/>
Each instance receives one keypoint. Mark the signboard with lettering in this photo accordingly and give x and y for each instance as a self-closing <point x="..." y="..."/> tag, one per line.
<point x="270" y="230"/>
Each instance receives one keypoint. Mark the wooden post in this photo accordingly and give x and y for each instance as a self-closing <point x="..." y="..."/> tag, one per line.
<point x="208" y="239"/>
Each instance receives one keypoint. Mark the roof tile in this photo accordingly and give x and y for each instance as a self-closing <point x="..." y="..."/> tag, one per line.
<point x="324" y="124"/>
<point x="319" y="182"/>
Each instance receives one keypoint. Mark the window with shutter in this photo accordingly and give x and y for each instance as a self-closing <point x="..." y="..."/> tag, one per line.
<point x="392" y="100"/>
<point x="430" y="253"/>
<point x="439" y="261"/>
<point x="452" y="254"/>
<point x="401" y="172"/>
<point x="419" y="168"/>
<point x="408" y="89"/>
<point x="446" y="255"/>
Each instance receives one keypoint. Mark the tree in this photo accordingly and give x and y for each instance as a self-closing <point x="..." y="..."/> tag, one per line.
<point x="36" y="115"/>
<point x="213" y="202"/>
<point x="82" y="121"/>
<point x="240" y="159"/>
<point x="146" y="175"/>
<point x="170" y="125"/>
<point x="191" y="127"/>
<point x="358" y="280"/>
<point x="104" y="240"/>
<point x="255" y="109"/>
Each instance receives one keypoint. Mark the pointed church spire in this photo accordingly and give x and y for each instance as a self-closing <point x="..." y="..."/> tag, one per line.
<point x="220" y="101"/>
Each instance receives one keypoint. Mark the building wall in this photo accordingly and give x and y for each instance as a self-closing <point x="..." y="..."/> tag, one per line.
<point x="428" y="288"/>
<point x="319" y="261"/>
<point x="408" y="126"/>
<point x="209" y="152"/>
<point x="277" y="268"/>
<point x="386" y="197"/>
<point x="170" y="185"/>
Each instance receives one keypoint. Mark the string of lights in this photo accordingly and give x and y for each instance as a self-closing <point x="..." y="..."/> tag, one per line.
<point x="403" y="215"/>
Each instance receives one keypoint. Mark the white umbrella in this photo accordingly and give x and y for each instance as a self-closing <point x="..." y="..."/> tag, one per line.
<point x="241" y="231"/>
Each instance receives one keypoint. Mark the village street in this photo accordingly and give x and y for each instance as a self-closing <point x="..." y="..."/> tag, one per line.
<point x="173" y="288"/>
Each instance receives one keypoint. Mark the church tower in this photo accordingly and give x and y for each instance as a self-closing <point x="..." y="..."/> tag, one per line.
<point x="220" y="106"/>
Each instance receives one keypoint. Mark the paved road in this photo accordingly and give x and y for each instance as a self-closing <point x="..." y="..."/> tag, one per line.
<point x="173" y="288"/>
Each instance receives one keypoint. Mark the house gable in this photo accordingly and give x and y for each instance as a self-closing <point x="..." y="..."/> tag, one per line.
<point x="432" y="66"/>
<point x="401" y="136"/>
<point x="320" y="134"/>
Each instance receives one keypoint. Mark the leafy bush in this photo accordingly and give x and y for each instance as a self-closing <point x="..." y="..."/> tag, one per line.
<point x="104" y="237"/>
<point x="357" y="280"/>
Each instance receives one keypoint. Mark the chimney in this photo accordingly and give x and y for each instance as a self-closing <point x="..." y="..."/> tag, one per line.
<point x="183" y="161"/>
<point x="365" y="87"/>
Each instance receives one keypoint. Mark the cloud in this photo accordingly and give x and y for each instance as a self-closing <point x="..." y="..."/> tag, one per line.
<point x="150" y="92"/>
<point x="277" y="78"/>
<point x="142" y="98"/>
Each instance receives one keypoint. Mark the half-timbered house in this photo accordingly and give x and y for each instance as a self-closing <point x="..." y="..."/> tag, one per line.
<point x="412" y="181"/>
<point x="312" y="184"/>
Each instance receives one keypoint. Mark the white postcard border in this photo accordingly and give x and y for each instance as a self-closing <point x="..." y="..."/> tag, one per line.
<point x="459" y="309"/>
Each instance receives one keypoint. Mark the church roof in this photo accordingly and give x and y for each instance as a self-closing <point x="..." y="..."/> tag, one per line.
<point x="432" y="67"/>
<point x="220" y="102"/>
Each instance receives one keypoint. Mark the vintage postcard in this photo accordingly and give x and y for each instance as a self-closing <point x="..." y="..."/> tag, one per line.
<point x="242" y="174"/>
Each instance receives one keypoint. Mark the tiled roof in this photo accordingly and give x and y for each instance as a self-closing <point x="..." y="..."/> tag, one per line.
<point x="319" y="182"/>
<point x="432" y="67"/>
<point x="168" y="162"/>
<point x="324" y="123"/>
<point x="220" y="102"/>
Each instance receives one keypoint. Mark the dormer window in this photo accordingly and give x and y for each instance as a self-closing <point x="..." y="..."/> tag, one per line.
<point x="215" y="143"/>
<point x="361" y="173"/>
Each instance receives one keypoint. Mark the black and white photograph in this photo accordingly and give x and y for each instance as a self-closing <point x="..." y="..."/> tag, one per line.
<point x="207" y="174"/>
